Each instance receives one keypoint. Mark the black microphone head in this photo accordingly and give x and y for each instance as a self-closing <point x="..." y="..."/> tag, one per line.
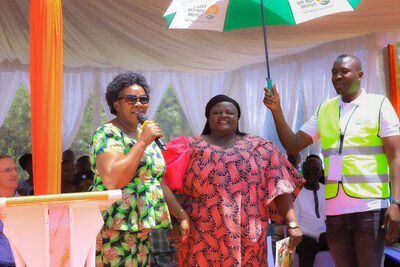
<point x="141" y="118"/>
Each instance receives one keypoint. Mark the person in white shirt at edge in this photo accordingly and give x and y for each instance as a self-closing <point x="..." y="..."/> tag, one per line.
<point x="310" y="209"/>
<point x="8" y="186"/>
<point x="360" y="139"/>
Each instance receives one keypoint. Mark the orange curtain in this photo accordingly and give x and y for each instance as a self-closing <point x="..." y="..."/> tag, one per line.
<point x="46" y="66"/>
<point x="394" y="90"/>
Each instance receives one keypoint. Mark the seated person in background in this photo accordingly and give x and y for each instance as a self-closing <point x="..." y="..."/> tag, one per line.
<point x="310" y="209"/>
<point x="83" y="180"/>
<point x="83" y="163"/>
<point x="25" y="187"/>
<point x="67" y="177"/>
<point x="68" y="155"/>
<point x="8" y="186"/>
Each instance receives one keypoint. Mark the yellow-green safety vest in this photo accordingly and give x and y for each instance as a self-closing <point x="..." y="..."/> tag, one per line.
<point x="365" y="172"/>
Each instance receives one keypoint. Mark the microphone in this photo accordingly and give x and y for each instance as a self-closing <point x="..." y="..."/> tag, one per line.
<point x="142" y="118"/>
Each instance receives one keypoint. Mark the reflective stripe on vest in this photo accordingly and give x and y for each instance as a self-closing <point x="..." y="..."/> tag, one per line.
<point x="365" y="167"/>
<point x="351" y="179"/>
<point x="366" y="150"/>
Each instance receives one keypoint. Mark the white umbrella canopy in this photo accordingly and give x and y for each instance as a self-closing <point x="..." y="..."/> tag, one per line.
<point x="227" y="15"/>
<point x="133" y="35"/>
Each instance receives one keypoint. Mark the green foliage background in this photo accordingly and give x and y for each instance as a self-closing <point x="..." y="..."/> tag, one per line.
<point x="15" y="133"/>
<point x="170" y="117"/>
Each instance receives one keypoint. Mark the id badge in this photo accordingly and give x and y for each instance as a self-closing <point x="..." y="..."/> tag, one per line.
<point x="335" y="168"/>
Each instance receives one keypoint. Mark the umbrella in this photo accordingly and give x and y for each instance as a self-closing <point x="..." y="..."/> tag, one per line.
<point x="226" y="15"/>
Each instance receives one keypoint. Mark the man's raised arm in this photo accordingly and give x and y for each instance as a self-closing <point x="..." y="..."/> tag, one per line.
<point x="292" y="142"/>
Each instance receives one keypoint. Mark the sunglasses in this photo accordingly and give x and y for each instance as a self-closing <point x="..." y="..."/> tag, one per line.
<point x="132" y="99"/>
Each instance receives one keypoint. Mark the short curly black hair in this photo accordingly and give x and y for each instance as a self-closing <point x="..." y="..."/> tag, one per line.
<point x="122" y="81"/>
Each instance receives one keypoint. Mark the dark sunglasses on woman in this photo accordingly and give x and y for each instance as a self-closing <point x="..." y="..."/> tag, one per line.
<point x="133" y="99"/>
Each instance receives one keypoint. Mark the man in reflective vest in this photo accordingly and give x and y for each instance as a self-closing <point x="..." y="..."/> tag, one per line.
<point x="361" y="143"/>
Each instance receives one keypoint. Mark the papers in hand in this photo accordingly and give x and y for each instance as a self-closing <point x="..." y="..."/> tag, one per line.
<point x="283" y="258"/>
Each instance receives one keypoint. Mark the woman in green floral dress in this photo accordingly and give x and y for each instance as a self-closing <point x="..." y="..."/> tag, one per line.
<point x="126" y="157"/>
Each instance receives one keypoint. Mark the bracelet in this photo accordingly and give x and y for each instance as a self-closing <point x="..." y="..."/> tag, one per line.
<point x="179" y="212"/>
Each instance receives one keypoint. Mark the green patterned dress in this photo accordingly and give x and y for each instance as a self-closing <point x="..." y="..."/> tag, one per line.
<point x="123" y="240"/>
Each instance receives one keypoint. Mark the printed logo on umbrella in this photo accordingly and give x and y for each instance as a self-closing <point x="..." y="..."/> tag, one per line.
<point x="323" y="2"/>
<point x="212" y="12"/>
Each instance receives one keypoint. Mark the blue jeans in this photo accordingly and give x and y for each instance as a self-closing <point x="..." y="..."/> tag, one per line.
<point x="357" y="239"/>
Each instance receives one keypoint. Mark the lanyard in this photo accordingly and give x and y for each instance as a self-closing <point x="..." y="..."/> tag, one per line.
<point x="342" y="133"/>
<point x="316" y="204"/>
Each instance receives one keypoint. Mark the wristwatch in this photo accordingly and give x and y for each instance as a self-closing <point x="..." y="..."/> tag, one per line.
<point x="396" y="202"/>
<point x="292" y="225"/>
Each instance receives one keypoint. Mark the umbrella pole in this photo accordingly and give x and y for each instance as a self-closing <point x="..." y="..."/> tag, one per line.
<point x="265" y="40"/>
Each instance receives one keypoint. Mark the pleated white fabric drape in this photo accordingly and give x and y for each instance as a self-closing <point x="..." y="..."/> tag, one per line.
<point x="193" y="92"/>
<point x="9" y="82"/>
<point x="246" y="86"/>
<point x="158" y="82"/>
<point x="77" y="85"/>
<point x="309" y="71"/>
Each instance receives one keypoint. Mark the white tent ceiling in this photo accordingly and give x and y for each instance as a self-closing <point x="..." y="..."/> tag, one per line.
<point x="133" y="35"/>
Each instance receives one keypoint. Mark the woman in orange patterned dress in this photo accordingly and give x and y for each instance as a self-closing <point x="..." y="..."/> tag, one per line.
<point x="232" y="183"/>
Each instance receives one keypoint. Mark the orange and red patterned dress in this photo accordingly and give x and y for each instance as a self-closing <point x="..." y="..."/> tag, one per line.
<point x="229" y="197"/>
